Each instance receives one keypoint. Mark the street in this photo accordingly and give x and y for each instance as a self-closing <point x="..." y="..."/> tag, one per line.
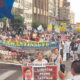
<point x="39" y="40"/>
<point x="13" y="72"/>
<point x="10" y="72"/>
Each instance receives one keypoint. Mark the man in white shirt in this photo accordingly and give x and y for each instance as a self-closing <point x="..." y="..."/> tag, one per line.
<point x="66" y="50"/>
<point x="75" y="70"/>
<point x="40" y="59"/>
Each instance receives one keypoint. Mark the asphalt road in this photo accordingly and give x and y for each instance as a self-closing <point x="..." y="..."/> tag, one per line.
<point x="10" y="72"/>
<point x="13" y="72"/>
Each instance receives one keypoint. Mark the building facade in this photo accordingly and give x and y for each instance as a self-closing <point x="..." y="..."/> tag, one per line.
<point x="64" y="16"/>
<point x="72" y="17"/>
<point x="32" y="10"/>
<point x="24" y="8"/>
<point x="64" y="12"/>
<point x="40" y="11"/>
<point x="45" y="11"/>
<point x="57" y="5"/>
<point x="54" y="10"/>
<point x="51" y="8"/>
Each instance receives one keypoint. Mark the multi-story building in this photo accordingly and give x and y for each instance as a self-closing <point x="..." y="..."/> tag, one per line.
<point x="57" y="5"/>
<point x="40" y="11"/>
<point x="61" y="3"/>
<point x="51" y="14"/>
<point x="64" y="13"/>
<point x="72" y="17"/>
<point x="18" y="7"/>
<point x="44" y="11"/>
<point x="64" y="16"/>
<point x="24" y="8"/>
<point x="32" y="10"/>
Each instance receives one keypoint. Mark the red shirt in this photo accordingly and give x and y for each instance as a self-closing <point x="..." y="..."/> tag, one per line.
<point x="37" y="39"/>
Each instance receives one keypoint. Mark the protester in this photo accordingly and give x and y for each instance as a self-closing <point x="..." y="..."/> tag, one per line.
<point x="4" y="36"/>
<point x="61" y="45"/>
<point x="75" y="70"/>
<point x="78" y="50"/>
<point x="40" y="59"/>
<point x="37" y="38"/>
<point x="66" y="50"/>
<point x="74" y="47"/>
<point x="56" y="59"/>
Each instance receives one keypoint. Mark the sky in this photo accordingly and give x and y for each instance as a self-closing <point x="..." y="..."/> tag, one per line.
<point x="75" y="7"/>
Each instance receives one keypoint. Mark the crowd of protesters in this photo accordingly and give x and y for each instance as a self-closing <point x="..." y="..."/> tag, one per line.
<point x="44" y="36"/>
<point x="69" y="43"/>
<point x="31" y="36"/>
<point x="69" y="48"/>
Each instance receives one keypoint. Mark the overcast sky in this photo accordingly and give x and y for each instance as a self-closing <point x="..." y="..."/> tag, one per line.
<point x="75" y="7"/>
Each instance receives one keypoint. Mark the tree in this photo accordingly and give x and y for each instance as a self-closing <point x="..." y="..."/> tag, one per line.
<point x="18" y="24"/>
<point x="3" y="20"/>
<point x="35" y="24"/>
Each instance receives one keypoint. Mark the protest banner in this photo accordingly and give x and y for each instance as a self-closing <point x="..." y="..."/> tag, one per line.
<point x="24" y="52"/>
<point x="40" y="73"/>
<point x="28" y="56"/>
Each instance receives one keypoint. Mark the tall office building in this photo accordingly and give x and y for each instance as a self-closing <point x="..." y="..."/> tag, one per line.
<point x="63" y="12"/>
<point x="32" y="10"/>
<point x="40" y="11"/>
<point x="51" y="12"/>
<point x="45" y="11"/>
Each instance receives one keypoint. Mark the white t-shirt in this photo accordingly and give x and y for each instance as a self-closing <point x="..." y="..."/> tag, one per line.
<point x="56" y="60"/>
<point x="78" y="50"/>
<point x="28" y="79"/>
<point x="60" y="45"/>
<point x="66" y="47"/>
<point x="75" y="78"/>
<point x="40" y="62"/>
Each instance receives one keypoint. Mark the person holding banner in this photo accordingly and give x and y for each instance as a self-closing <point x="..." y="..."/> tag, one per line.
<point x="40" y="59"/>
<point x="28" y="74"/>
<point x="56" y="59"/>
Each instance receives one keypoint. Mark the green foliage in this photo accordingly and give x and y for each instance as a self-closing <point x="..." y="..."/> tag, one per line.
<point x="3" y="19"/>
<point x="18" y="24"/>
<point x="35" y="24"/>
